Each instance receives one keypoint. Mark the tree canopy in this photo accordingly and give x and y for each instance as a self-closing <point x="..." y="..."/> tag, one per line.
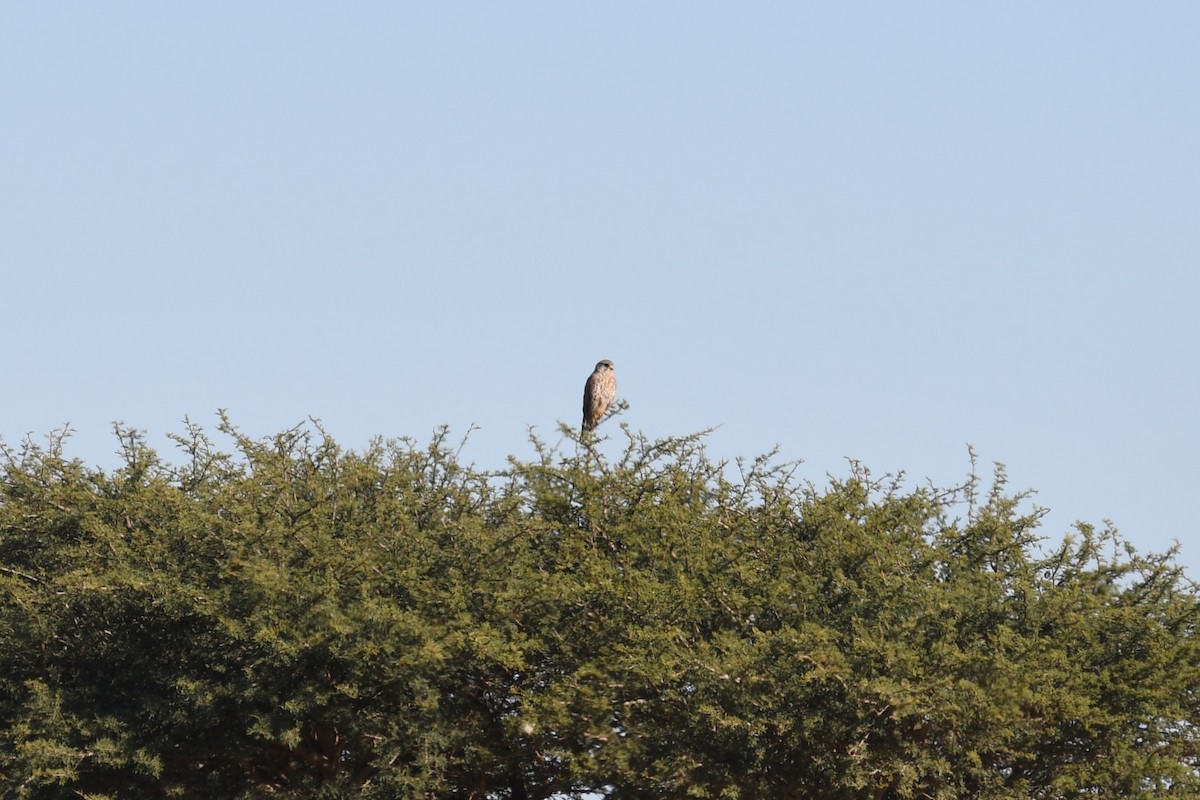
<point x="289" y="618"/>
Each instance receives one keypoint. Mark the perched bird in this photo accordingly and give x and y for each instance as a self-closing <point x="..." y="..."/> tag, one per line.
<point x="598" y="394"/>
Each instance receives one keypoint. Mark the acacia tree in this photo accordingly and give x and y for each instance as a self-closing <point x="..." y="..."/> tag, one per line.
<point x="289" y="618"/>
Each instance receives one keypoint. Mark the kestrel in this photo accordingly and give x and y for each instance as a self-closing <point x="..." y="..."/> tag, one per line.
<point x="598" y="394"/>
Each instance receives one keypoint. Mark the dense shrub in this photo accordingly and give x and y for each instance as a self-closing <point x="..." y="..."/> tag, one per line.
<point x="292" y="619"/>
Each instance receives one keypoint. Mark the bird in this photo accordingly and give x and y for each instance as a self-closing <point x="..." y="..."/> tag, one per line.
<point x="598" y="394"/>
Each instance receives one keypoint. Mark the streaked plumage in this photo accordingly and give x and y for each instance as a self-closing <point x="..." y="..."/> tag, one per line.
<point x="598" y="394"/>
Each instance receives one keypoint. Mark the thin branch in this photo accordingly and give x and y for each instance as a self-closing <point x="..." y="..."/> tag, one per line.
<point x="19" y="574"/>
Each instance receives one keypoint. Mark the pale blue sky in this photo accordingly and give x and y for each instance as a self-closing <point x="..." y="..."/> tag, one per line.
<point x="879" y="231"/>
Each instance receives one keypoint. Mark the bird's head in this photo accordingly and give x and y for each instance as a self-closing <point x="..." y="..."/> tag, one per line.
<point x="604" y="366"/>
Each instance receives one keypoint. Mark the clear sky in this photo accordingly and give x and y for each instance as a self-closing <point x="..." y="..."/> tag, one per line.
<point x="870" y="230"/>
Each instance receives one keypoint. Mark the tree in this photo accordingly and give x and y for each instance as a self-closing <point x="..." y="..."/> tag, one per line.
<point x="293" y="619"/>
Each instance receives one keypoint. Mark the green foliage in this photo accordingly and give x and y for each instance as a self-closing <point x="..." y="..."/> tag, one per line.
<point x="291" y="619"/>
